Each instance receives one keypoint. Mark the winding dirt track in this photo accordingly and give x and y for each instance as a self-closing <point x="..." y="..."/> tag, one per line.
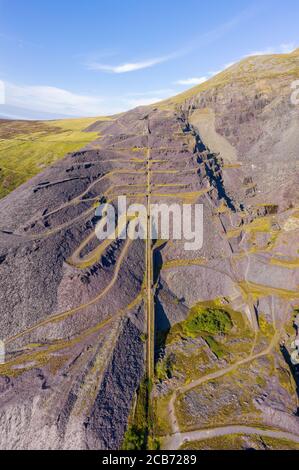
<point x="62" y="315"/>
<point x="176" y="440"/>
<point x="211" y="376"/>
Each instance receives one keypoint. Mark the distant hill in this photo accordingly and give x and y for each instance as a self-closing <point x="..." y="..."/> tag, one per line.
<point x="28" y="147"/>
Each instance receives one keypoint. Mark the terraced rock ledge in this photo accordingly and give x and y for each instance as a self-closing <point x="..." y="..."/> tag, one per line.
<point x="139" y="344"/>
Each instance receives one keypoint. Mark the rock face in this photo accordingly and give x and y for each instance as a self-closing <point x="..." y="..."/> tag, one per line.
<point x="73" y="310"/>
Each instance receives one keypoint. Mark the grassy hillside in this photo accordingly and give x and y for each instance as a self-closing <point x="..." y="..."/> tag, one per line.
<point x="248" y="70"/>
<point x="27" y="147"/>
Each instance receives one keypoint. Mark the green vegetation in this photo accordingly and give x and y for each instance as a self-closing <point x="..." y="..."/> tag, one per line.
<point x="153" y="443"/>
<point x="27" y="147"/>
<point x="205" y="319"/>
<point x="194" y="360"/>
<point x="164" y="367"/>
<point x="286" y="380"/>
<point x="183" y="262"/>
<point x="139" y="435"/>
<point x="210" y="320"/>
<point x="258" y="225"/>
<point x="136" y="435"/>
<point x="143" y="337"/>
<point x="134" y="439"/>
<point x="227" y="408"/>
<point x="241" y="442"/>
<point x="266" y="328"/>
<point x="215" y="347"/>
<point x="252" y="70"/>
<point x="161" y="415"/>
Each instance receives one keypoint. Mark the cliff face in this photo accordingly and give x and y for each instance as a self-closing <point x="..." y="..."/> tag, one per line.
<point x="73" y="313"/>
<point x="255" y="114"/>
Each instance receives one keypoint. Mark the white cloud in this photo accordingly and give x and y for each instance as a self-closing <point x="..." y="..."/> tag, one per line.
<point x="53" y="100"/>
<point x="57" y="101"/>
<point x="132" y="100"/>
<point x="285" y="48"/>
<point x="199" y="80"/>
<point x="128" y="67"/>
<point x="268" y="50"/>
<point x="288" y="47"/>
<point x="191" y="81"/>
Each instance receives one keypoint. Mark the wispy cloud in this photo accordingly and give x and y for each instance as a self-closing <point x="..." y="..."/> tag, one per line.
<point x="196" y="43"/>
<point x="191" y="81"/>
<point x="199" y="80"/>
<point x="131" y="100"/>
<point x="288" y="47"/>
<point x="130" y="66"/>
<point x="266" y="51"/>
<point x="284" y="48"/>
<point x="52" y="100"/>
<point x="281" y="49"/>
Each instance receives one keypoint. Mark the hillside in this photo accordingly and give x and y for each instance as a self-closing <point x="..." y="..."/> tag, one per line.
<point x="27" y="147"/>
<point x="133" y="344"/>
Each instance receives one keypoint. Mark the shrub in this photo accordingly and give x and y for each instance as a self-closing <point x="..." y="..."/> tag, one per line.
<point x="210" y="320"/>
<point x="134" y="439"/>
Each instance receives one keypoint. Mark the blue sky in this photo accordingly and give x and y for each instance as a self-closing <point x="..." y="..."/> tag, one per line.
<point x="96" y="57"/>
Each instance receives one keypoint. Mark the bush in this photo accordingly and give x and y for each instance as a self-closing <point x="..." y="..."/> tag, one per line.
<point x="210" y="320"/>
<point x="134" y="439"/>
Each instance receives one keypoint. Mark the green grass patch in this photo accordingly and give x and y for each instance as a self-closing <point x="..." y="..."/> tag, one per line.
<point x="26" y="148"/>
<point x="215" y="347"/>
<point x="136" y="436"/>
<point x="241" y="442"/>
<point x="134" y="439"/>
<point x="232" y="319"/>
<point x="161" y="412"/>
<point x="210" y="320"/>
<point x="266" y="327"/>
<point x="234" y="344"/>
